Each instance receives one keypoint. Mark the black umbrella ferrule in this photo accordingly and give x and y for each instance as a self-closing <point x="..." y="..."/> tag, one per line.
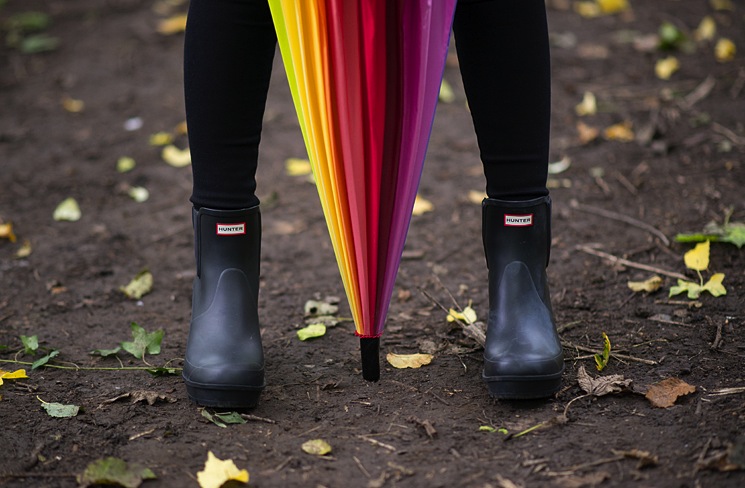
<point x="370" y="349"/>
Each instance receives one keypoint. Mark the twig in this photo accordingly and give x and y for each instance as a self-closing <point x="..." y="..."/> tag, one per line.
<point x="616" y="355"/>
<point x="249" y="416"/>
<point x="728" y="391"/>
<point x="578" y="467"/>
<point x="362" y="468"/>
<point x="378" y="443"/>
<point x="620" y="217"/>
<point x="699" y="93"/>
<point x="630" y="264"/>
<point x="473" y="331"/>
<point x="728" y="133"/>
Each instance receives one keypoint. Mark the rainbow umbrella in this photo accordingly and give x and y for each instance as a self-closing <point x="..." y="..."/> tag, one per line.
<point x="365" y="77"/>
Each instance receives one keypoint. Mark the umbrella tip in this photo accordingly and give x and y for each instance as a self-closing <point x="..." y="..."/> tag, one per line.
<point x="370" y="349"/>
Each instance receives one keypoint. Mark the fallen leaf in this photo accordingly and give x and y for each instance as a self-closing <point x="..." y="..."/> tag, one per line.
<point x="601" y="360"/>
<point x="468" y="315"/>
<point x="160" y="139"/>
<point x="613" y="6"/>
<point x="664" y="68"/>
<point x="665" y="393"/>
<point x="477" y="197"/>
<point x="619" y="132"/>
<point x="670" y="36"/>
<point x="587" y="133"/>
<point x="588" y="9"/>
<point x="178" y="158"/>
<point x="311" y="331"/>
<point x="30" y="344"/>
<point x="72" y="105"/>
<point x="401" y="361"/>
<point x="487" y="428"/>
<point x="649" y="285"/>
<point x="143" y="342"/>
<point x="421" y="206"/>
<point x="217" y="472"/>
<point x="114" y="471"/>
<point x="59" y="410"/>
<point x="6" y="232"/>
<point x="715" y="286"/>
<point x="725" y="50"/>
<point x="125" y="164"/>
<point x="722" y="5"/>
<point x="150" y="397"/>
<point x="67" y="210"/>
<point x="329" y="306"/>
<point x="25" y="249"/>
<point x="602" y="385"/>
<point x="297" y="167"/>
<point x="317" y="447"/>
<point x="181" y="129"/>
<point x="645" y="458"/>
<point x="105" y="352"/>
<point x="138" y="193"/>
<point x="698" y="257"/>
<point x="172" y="25"/>
<point x="15" y="375"/>
<point x="141" y="285"/>
<point x="692" y="289"/>
<point x="559" y="166"/>
<point x="588" y="105"/>
<point x="44" y="360"/>
<point x="706" y="29"/>
<point x="446" y="92"/>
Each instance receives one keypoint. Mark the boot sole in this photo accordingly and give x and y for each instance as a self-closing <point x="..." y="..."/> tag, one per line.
<point x="246" y="397"/>
<point x="523" y="388"/>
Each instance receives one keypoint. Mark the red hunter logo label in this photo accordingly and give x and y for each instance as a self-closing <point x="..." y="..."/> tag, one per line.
<point x="231" y="229"/>
<point x="525" y="220"/>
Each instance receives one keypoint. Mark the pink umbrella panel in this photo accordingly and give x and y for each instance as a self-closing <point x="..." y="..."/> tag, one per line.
<point x="365" y="77"/>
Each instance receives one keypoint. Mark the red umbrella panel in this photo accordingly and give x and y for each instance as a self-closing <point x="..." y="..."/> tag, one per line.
<point x="365" y="77"/>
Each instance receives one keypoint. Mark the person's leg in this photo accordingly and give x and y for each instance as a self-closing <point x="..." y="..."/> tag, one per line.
<point x="503" y="53"/>
<point x="228" y="55"/>
<point x="504" y="60"/>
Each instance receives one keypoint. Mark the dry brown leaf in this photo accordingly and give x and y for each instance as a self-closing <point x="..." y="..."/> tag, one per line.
<point x="602" y="385"/>
<point x="645" y="458"/>
<point x="665" y="393"/>
<point x="587" y="133"/>
<point x="619" y="132"/>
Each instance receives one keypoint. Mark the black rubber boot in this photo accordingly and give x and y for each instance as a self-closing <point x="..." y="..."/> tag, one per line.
<point x="224" y="364"/>
<point x="523" y="357"/>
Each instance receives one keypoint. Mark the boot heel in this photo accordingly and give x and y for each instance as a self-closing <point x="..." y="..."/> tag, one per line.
<point x="210" y="397"/>
<point x="524" y="389"/>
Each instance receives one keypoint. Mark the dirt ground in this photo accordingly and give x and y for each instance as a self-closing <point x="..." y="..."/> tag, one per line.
<point x="415" y="427"/>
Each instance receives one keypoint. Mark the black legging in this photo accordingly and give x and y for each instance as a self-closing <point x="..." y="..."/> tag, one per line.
<point x="504" y="60"/>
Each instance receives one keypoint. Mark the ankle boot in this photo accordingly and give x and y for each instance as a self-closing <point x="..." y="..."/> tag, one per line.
<point x="523" y="357"/>
<point x="224" y="364"/>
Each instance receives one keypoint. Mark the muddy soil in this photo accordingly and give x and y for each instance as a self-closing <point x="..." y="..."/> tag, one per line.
<point x="415" y="427"/>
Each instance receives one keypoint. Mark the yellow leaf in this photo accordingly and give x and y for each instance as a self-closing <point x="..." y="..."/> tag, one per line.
<point x="725" y="50"/>
<point x="421" y="206"/>
<point x="468" y="315"/>
<point x="652" y="284"/>
<point x="477" y="197"/>
<point x="401" y="361"/>
<point x="706" y="29"/>
<point x="7" y="375"/>
<point x="664" y="68"/>
<point x="176" y="157"/>
<point x="588" y="105"/>
<point x="613" y="6"/>
<point x="72" y="105"/>
<point x="6" y="232"/>
<point x="722" y="5"/>
<point x="217" y="472"/>
<point x="297" y="167"/>
<point x="181" y="129"/>
<point x="317" y="447"/>
<point x="311" y="331"/>
<point x="715" y="286"/>
<point x="587" y="9"/>
<point x="172" y="25"/>
<point x="446" y="92"/>
<point x="125" y="164"/>
<point x="698" y="257"/>
<point x="140" y="285"/>
<point x="619" y="132"/>
<point x="161" y="139"/>
<point x="25" y="249"/>
<point x="138" y="193"/>
<point x="67" y="210"/>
